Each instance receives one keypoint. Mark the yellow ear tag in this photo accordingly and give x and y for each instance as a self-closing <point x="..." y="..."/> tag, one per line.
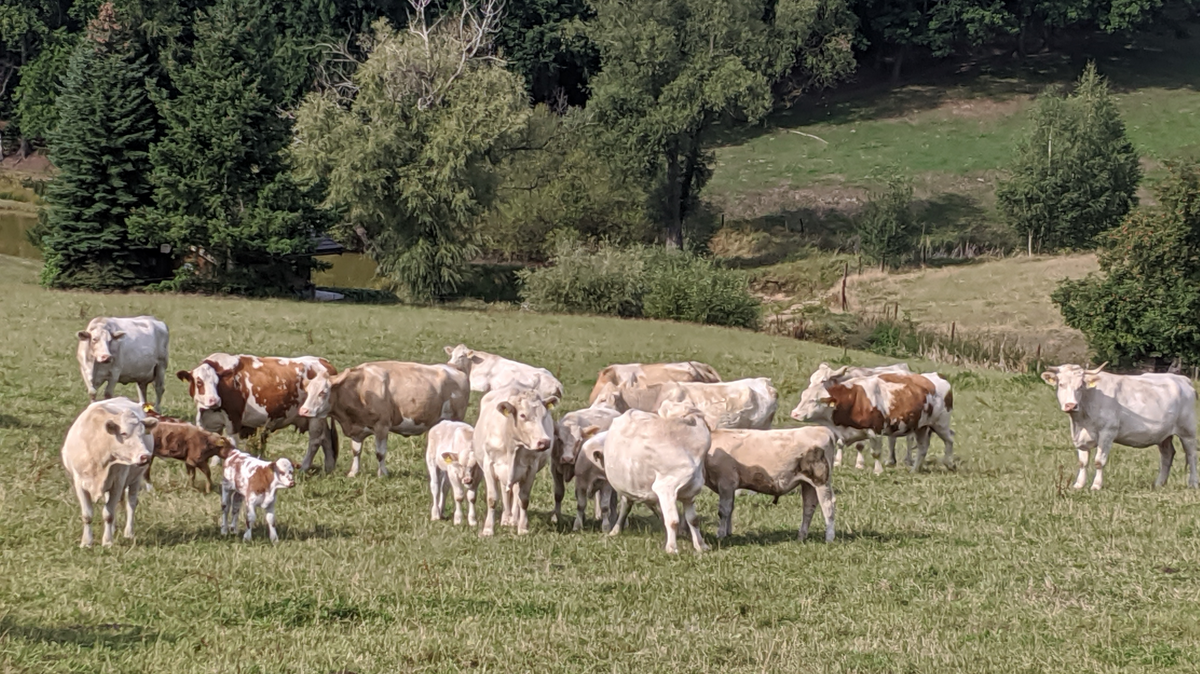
<point x="549" y="406"/>
<point x="831" y="403"/>
<point x="448" y="459"/>
<point x="1092" y="384"/>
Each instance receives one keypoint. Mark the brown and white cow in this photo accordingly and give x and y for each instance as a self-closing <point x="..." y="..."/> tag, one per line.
<point x="641" y="375"/>
<point x="254" y="483"/>
<point x="513" y="437"/>
<point x="387" y="396"/>
<point x="238" y="395"/>
<point x="773" y="462"/>
<point x="187" y="442"/>
<point x="106" y="453"/>
<point x="824" y="373"/>
<point x="745" y="403"/>
<point x="889" y="404"/>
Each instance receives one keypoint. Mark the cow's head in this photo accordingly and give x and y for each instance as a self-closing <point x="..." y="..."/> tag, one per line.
<point x="594" y="448"/>
<point x="318" y="397"/>
<point x="670" y="409"/>
<point x="220" y="444"/>
<point x="461" y="463"/>
<point x="461" y="357"/>
<point x="285" y="473"/>
<point x="610" y="396"/>
<point x="202" y="384"/>
<point x="571" y="438"/>
<point x="529" y="414"/>
<point x="816" y="404"/>
<point x="98" y="342"/>
<point x="131" y="433"/>
<point x="826" y="373"/>
<point x="1069" y="382"/>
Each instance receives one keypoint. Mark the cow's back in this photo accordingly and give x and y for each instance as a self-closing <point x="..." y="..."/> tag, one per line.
<point x="404" y="397"/>
<point x="143" y="350"/>
<point x="268" y="391"/>
<point x="642" y="448"/>
<point x="1144" y="408"/>
<point x="88" y="446"/>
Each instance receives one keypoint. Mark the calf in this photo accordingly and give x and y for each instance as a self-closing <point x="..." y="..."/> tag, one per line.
<point x="641" y="375"/>
<point x="658" y="459"/>
<point x="241" y="394"/>
<point x="450" y="458"/>
<point x="774" y="463"/>
<point x="124" y="351"/>
<point x="570" y="433"/>
<point x="489" y="371"/>
<point x="889" y="404"/>
<point x="178" y="439"/>
<point x="106" y="452"/>
<point x="513" y="437"/>
<point x="826" y="373"/>
<point x="1136" y="411"/>
<point x="746" y="403"/>
<point x="253" y="482"/>
<point x="375" y="399"/>
<point x="590" y="481"/>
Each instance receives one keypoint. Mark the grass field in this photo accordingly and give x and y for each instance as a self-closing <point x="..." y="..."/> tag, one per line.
<point x="993" y="568"/>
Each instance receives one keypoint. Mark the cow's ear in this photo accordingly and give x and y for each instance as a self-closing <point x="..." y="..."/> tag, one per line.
<point x="184" y="375"/>
<point x="1050" y="378"/>
<point x="1091" y="380"/>
<point x="449" y="350"/>
<point x="551" y="402"/>
<point x="448" y="457"/>
<point x="506" y="408"/>
<point x="83" y="335"/>
<point x="149" y="423"/>
<point x="598" y="456"/>
<point x="118" y="334"/>
<point x="112" y="427"/>
<point x="590" y="431"/>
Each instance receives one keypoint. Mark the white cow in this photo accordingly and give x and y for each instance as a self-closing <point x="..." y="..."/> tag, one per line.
<point x="570" y="433"/>
<point x="106" y="453"/>
<point x="590" y="480"/>
<point x="745" y="403"/>
<point x="490" y="372"/>
<point x="513" y="437"/>
<point x="450" y="459"/>
<point x="658" y="459"/>
<point x="1136" y="411"/>
<point x="824" y="373"/>
<point x="124" y="351"/>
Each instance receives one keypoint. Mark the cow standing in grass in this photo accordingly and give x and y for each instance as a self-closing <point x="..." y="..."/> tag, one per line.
<point x="825" y="373"/>
<point x="641" y="375"/>
<point x="124" y="351"/>
<point x="1136" y="411"/>
<point x="513" y="437"/>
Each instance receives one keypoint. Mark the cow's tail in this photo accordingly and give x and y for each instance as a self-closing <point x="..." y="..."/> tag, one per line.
<point x="707" y="374"/>
<point x="331" y="436"/>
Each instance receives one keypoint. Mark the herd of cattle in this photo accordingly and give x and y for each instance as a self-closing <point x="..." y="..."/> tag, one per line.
<point x="653" y="433"/>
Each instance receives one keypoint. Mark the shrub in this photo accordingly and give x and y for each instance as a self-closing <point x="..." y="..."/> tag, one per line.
<point x="688" y="288"/>
<point x="887" y="230"/>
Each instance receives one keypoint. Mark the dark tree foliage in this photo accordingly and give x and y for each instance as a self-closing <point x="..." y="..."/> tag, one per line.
<point x="1146" y="299"/>
<point x="224" y="195"/>
<point x="41" y="79"/>
<point x="100" y="146"/>
<point x="886" y="227"/>
<point x="541" y="42"/>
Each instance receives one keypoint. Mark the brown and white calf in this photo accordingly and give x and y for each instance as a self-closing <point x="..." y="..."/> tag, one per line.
<point x="489" y="371"/>
<point x="745" y="403"/>
<point x="825" y="372"/>
<point x="513" y="437"/>
<point x="641" y="375"/>
<point x="186" y="442"/>
<point x="450" y="458"/>
<point x="375" y="399"/>
<point x="238" y="395"/>
<point x="115" y="351"/>
<point x="106" y="452"/>
<point x="889" y="404"/>
<point x="254" y="483"/>
<point x="773" y="462"/>
<point x="571" y="431"/>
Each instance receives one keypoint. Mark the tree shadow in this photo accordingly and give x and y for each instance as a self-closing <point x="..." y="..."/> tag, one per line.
<point x="115" y="636"/>
<point x="816" y="535"/>
<point x="10" y="421"/>
<point x="172" y="536"/>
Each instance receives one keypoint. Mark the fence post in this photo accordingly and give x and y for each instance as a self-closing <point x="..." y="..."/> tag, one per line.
<point x="845" y="273"/>
<point x="952" y="326"/>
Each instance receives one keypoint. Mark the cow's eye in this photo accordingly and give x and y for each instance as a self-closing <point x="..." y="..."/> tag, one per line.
<point x="524" y="417"/>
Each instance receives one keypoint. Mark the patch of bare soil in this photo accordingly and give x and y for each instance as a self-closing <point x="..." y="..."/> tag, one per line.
<point x="36" y="164"/>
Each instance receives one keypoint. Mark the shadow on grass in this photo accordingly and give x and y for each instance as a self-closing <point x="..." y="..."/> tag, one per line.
<point x="9" y="421"/>
<point x="114" y="636"/>
<point x="172" y="536"/>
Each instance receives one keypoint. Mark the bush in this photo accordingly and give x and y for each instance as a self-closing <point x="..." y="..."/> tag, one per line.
<point x="887" y="230"/>
<point x="640" y="282"/>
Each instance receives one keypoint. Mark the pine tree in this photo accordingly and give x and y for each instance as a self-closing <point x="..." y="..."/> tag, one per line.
<point x="100" y="145"/>
<point x="224" y="195"/>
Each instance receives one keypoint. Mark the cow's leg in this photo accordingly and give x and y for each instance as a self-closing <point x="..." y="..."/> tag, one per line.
<point x="1166" y="455"/>
<point x="725" y="509"/>
<point x="436" y="485"/>
<point x="250" y="517"/>
<point x="269" y="509"/>
<point x="909" y="443"/>
<point x="142" y="388"/>
<point x="85" y="511"/>
<point x="356" y="451"/>
<point x="110" y="517"/>
<point x="131" y="501"/>
<point x="1081" y="476"/>
<point x="623" y="507"/>
<point x="808" y="495"/>
<point x="522" y="502"/>
<point x="859" y="461"/>
<point x="314" y="441"/>
<point x="689" y="516"/>
<point x="581" y="503"/>
<point x="506" y="505"/>
<point x="1102" y="449"/>
<point x="560" y="489"/>
<point x="876" y="453"/>
<point x="472" y="493"/>
<point x="226" y="506"/>
<point x="609" y="508"/>
<point x="489" y="522"/>
<point x="670" y="512"/>
<point x="207" y="477"/>
<point x="922" y="449"/>
<point x="110" y="387"/>
<point x="947" y="436"/>
<point x="1189" y="452"/>
<point x="456" y="490"/>
<point x="828" y="503"/>
<point x="160" y="384"/>
<point x="891" y="455"/>
<point x="381" y="437"/>
<point x="837" y="458"/>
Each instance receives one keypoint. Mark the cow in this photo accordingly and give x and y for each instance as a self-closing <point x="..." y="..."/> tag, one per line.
<point x="255" y="483"/>
<point x="105" y="453"/>
<point x="124" y="351"/>
<point x="238" y="395"/>
<point x="178" y="439"/>
<point x="1135" y="411"/>
<point x="745" y="403"/>
<point x="489" y="371"/>
<point x="570" y="433"/>
<point x="590" y="481"/>
<point x="658" y="459"/>
<point x="826" y="373"/>
<point x="513" y="438"/>
<point x="773" y="462"/>
<point x="387" y="396"/>
<point x="450" y="458"/>
<point x="888" y="404"/>
<point x="641" y="375"/>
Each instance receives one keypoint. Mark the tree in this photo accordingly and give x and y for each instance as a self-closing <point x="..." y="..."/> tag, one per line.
<point x="39" y="86"/>
<point x="538" y="39"/>
<point x="671" y="70"/>
<point x="1146" y="299"/>
<point x="1075" y="173"/>
<point x="100" y="146"/>
<point x="224" y="194"/>
<point x="886" y="227"/>
<point x="408" y="144"/>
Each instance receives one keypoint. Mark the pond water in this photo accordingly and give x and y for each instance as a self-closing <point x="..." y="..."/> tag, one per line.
<point x="350" y="270"/>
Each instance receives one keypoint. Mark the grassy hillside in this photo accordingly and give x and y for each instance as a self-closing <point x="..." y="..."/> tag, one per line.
<point x="993" y="568"/>
<point x="1000" y="299"/>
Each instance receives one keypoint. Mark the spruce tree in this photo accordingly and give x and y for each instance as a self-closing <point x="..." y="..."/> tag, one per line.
<point x="100" y="145"/>
<point x="224" y="195"/>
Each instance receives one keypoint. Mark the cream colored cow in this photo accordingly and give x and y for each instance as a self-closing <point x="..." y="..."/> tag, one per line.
<point x="513" y="437"/>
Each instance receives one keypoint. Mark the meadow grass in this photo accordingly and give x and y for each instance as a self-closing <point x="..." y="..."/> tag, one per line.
<point x="994" y="568"/>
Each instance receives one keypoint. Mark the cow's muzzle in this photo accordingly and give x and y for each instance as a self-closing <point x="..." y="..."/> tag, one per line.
<point x="144" y="459"/>
<point x="1069" y="407"/>
<point x="103" y="359"/>
<point x="543" y="445"/>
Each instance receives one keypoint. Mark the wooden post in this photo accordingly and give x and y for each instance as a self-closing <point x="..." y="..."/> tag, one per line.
<point x="845" y="273"/>
<point x="953" y="324"/>
<point x="1037" y="359"/>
